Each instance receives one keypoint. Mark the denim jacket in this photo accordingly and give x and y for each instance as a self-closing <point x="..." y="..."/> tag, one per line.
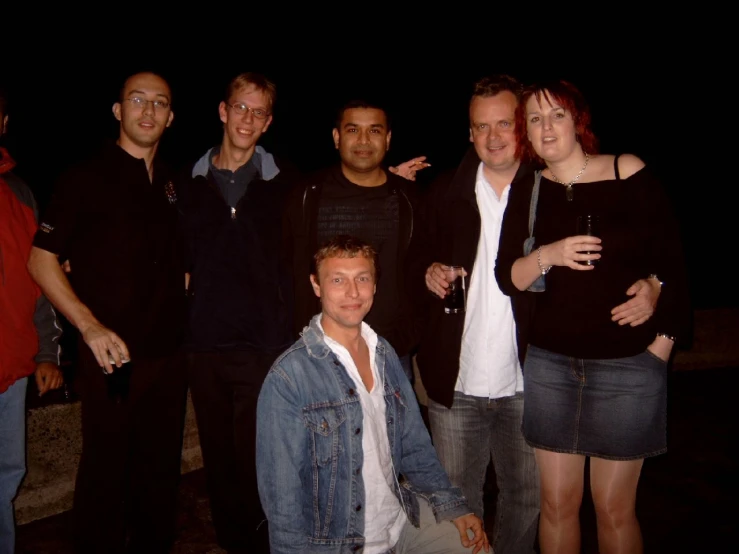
<point x="309" y="450"/>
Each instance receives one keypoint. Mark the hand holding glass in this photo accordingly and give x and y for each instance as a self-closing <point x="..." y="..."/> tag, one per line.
<point x="455" y="298"/>
<point x="588" y="225"/>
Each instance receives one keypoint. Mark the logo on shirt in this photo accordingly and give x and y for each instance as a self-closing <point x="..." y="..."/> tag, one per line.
<point x="170" y="192"/>
<point x="46" y="228"/>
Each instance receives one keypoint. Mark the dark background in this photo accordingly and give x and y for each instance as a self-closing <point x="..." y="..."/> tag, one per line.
<point x="643" y="98"/>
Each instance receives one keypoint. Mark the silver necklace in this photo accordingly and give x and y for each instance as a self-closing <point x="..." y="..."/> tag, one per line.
<point x="569" y="185"/>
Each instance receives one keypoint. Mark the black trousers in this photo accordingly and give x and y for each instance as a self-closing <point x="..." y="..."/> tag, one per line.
<point x="125" y="498"/>
<point x="224" y="387"/>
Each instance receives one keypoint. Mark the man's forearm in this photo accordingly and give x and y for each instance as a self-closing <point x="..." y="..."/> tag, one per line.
<point x="46" y="271"/>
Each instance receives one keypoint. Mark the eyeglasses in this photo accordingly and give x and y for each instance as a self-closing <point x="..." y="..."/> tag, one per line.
<point x="138" y="102"/>
<point x="241" y="108"/>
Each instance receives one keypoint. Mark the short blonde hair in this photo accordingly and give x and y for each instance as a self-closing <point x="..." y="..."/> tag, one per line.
<point x="345" y="246"/>
<point x="257" y="80"/>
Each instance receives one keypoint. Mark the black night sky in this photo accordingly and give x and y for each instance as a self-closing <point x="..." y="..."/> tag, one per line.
<point x="642" y="100"/>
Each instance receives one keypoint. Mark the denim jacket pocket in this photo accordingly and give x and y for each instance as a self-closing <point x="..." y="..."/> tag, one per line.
<point x="324" y="423"/>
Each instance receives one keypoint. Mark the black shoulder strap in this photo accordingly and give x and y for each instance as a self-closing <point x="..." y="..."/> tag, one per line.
<point x="615" y="167"/>
<point x="528" y="245"/>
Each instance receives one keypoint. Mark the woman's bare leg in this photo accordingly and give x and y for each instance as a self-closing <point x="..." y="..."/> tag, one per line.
<point x="613" y="484"/>
<point x="562" y="477"/>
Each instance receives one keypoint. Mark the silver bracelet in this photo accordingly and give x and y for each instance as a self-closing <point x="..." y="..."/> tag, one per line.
<point x="654" y="276"/>
<point x="544" y="270"/>
<point x="665" y="335"/>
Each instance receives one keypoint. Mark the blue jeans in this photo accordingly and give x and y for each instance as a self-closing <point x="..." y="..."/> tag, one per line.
<point x="470" y="434"/>
<point x="12" y="457"/>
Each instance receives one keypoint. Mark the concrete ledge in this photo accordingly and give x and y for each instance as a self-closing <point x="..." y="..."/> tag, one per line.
<point x="53" y="453"/>
<point x="54" y="447"/>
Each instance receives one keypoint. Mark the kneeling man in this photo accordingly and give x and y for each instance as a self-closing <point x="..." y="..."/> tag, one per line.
<point x="344" y="460"/>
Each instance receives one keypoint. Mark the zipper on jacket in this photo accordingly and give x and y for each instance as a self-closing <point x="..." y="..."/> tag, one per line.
<point x="305" y="206"/>
<point x="215" y="188"/>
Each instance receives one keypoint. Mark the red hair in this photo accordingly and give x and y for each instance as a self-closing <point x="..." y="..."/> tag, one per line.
<point x="571" y="99"/>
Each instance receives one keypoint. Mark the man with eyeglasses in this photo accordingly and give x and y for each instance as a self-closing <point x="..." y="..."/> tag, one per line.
<point x="115" y="216"/>
<point x="239" y="308"/>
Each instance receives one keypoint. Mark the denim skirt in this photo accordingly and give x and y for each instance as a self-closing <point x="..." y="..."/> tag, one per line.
<point x="614" y="409"/>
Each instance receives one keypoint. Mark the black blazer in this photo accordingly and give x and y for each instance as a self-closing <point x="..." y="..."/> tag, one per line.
<point x="448" y="232"/>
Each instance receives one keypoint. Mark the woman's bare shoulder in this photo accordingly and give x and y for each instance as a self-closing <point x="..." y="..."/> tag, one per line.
<point x="629" y="164"/>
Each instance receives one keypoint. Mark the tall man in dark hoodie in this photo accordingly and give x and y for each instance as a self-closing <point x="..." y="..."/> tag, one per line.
<point x="239" y="302"/>
<point x="359" y="197"/>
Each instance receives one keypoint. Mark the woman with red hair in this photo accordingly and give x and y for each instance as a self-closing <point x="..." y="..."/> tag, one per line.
<point x="592" y="388"/>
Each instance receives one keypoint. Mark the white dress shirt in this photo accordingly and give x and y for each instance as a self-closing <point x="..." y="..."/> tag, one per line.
<point x="488" y="361"/>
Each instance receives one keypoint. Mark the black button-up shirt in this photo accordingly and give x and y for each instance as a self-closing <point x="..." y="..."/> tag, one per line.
<point x="120" y="233"/>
